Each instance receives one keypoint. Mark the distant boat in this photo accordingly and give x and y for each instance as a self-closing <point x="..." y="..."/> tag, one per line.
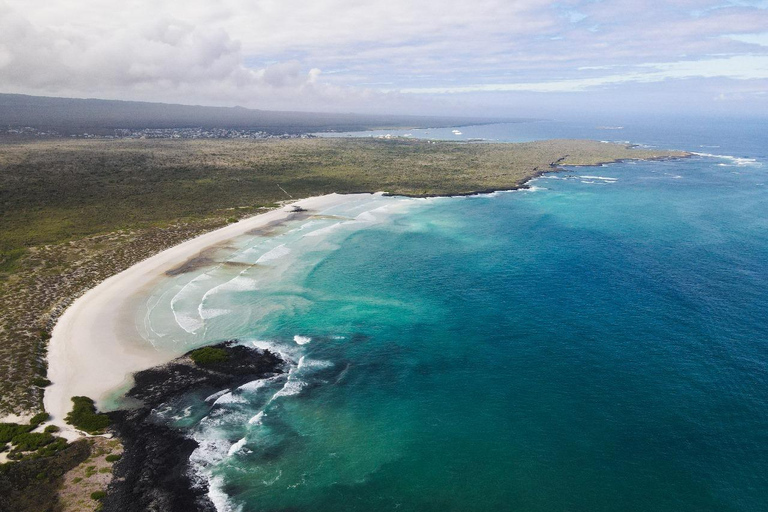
<point x="456" y="132"/>
<point x="610" y="127"/>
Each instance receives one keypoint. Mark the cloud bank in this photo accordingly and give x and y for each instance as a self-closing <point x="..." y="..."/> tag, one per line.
<point x="376" y="55"/>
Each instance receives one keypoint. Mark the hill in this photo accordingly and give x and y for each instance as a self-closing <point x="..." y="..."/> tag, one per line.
<point x="69" y="116"/>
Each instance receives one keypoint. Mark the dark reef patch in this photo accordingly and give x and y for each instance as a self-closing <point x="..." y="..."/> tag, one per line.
<point x="153" y="473"/>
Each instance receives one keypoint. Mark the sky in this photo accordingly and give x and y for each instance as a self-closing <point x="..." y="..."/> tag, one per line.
<point x="476" y="57"/>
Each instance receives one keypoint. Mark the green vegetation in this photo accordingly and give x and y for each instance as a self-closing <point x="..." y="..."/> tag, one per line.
<point x="78" y="211"/>
<point x="209" y="355"/>
<point x="25" y="444"/>
<point x="98" y="495"/>
<point x="50" y="449"/>
<point x="10" y="430"/>
<point x="113" y="457"/>
<point x="41" y="382"/>
<point x="84" y="416"/>
<point x="31" y="484"/>
<point x="39" y="418"/>
<point x="51" y="429"/>
<point x="30" y="441"/>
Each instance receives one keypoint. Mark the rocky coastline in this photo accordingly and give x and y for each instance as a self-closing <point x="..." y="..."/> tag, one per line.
<point x="153" y="473"/>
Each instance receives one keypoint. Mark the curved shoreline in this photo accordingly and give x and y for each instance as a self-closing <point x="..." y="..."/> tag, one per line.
<point x="95" y="349"/>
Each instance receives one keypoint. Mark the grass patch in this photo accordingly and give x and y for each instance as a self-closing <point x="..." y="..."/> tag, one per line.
<point x="98" y="495"/>
<point x="209" y="355"/>
<point x="84" y="416"/>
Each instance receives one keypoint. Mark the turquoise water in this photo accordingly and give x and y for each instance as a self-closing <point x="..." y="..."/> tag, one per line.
<point x="596" y="343"/>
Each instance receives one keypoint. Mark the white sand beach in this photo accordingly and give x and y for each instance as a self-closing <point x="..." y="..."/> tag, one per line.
<point x="95" y="348"/>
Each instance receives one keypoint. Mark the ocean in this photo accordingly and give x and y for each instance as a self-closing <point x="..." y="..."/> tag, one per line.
<point x="598" y="342"/>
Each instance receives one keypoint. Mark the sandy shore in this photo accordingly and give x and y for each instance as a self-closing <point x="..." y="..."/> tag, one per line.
<point x="95" y="348"/>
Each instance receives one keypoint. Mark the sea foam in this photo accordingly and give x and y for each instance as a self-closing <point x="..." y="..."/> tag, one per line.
<point x="734" y="160"/>
<point x="301" y="340"/>
<point x="276" y="253"/>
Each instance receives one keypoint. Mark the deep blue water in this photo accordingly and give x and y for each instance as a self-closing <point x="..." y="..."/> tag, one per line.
<point x="599" y="343"/>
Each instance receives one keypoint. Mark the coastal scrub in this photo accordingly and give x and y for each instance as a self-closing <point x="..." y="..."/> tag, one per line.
<point x="209" y="355"/>
<point x="84" y="416"/>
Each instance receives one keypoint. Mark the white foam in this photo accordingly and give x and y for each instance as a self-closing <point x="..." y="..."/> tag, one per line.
<point x="236" y="447"/>
<point x="285" y="352"/>
<point x="366" y="217"/>
<point x="276" y="253"/>
<point x="301" y="340"/>
<point x="735" y="160"/>
<point x="324" y="231"/>
<point x="602" y="178"/>
<point x="218" y="497"/>
<point x="208" y="452"/>
<point x="257" y="384"/>
<point x="229" y="398"/>
<point x="186" y="413"/>
<point x="240" y="283"/>
<point x="217" y="395"/>
<point x="256" y="420"/>
<point x="291" y="387"/>
<point x="313" y="363"/>
<point x="186" y="319"/>
<point x="272" y="481"/>
<point x="206" y="313"/>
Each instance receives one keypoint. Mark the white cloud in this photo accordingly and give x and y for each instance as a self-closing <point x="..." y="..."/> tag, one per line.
<point x="270" y="53"/>
<point x="758" y="39"/>
<point x="745" y="67"/>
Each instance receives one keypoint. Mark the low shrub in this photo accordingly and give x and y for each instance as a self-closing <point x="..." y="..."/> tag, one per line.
<point x="41" y="382"/>
<point x="51" y="429"/>
<point x="112" y="458"/>
<point x="209" y="355"/>
<point x="31" y="441"/>
<point x="10" y="430"/>
<point x="39" y="418"/>
<point x="98" y="495"/>
<point x="84" y="416"/>
<point x="52" y="448"/>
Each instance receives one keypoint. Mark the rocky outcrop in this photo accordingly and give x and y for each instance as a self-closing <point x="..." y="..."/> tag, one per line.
<point x="153" y="474"/>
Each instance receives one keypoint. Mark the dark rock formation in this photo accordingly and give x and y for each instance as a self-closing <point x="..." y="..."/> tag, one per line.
<point x="153" y="474"/>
